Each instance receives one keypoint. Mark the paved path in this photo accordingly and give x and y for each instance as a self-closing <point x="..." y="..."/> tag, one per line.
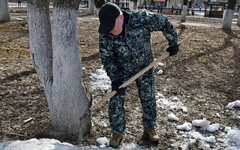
<point x="218" y="25"/>
<point x="175" y="23"/>
<point x="213" y="23"/>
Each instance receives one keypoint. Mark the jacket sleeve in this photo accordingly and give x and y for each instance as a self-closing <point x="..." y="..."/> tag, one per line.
<point x="160" y="23"/>
<point x="108" y="58"/>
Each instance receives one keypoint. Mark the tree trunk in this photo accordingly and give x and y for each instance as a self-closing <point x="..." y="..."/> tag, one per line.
<point x="135" y="5"/>
<point x="184" y="13"/>
<point x="227" y="19"/>
<point x="56" y="58"/>
<point x="238" y="20"/>
<point x="41" y="43"/>
<point x="68" y="94"/>
<point x="228" y="15"/>
<point x="4" y="11"/>
<point x="91" y="7"/>
<point x="171" y="3"/>
<point x="184" y="10"/>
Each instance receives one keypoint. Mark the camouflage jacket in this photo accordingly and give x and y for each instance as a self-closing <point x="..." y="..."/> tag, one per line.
<point x="134" y="48"/>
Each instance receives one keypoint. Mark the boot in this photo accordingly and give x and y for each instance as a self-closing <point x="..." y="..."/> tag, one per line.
<point x="115" y="140"/>
<point x="151" y="134"/>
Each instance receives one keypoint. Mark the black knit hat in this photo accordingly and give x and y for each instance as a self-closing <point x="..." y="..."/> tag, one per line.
<point x="108" y="14"/>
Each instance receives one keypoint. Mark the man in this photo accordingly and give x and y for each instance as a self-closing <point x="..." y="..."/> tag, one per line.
<point x="125" y="49"/>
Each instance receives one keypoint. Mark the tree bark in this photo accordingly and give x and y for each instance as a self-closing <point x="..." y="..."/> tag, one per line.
<point x="68" y="95"/>
<point x="184" y="10"/>
<point x="4" y="11"/>
<point x="184" y="13"/>
<point x="135" y="5"/>
<point x="56" y="58"/>
<point x="91" y="7"/>
<point x="41" y="43"/>
<point x="228" y="15"/>
<point x="227" y="19"/>
<point x="238" y="20"/>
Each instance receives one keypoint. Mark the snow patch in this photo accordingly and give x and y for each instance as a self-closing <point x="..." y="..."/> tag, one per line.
<point x="196" y="135"/>
<point x="102" y="141"/>
<point x="52" y="144"/>
<point x="210" y="139"/>
<point x="35" y="144"/>
<point x="100" y="80"/>
<point x="159" y="95"/>
<point x="160" y="72"/>
<point x="186" y="126"/>
<point x="233" y="104"/>
<point x="201" y="123"/>
<point x="213" y="127"/>
<point x="173" y="103"/>
<point x="173" y="117"/>
<point x="184" y="109"/>
<point x="227" y="129"/>
<point x="160" y="64"/>
<point x="132" y="146"/>
<point x="234" y="137"/>
<point x="218" y="115"/>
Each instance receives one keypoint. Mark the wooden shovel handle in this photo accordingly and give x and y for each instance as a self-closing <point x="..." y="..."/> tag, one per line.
<point x="103" y="101"/>
<point x="125" y="84"/>
<point x="166" y="54"/>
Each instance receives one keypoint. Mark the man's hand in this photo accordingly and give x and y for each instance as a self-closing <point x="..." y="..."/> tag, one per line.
<point x="173" y="49"/>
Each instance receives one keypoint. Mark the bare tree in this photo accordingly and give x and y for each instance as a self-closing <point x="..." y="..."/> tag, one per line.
<point x="238" y="20"/>
<point x="4" y="11"/>
<point x="228" y="15"/>
<point x="184" y="10"/>
<point x="56" y="58"/>
<point x="91" y="7"/>
<point x="133" y="4"/>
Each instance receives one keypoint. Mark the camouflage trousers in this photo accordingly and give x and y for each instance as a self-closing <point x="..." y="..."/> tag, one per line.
<point x="146" y="91"/>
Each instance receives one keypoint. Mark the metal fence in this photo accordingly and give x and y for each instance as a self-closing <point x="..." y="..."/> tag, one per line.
<point x="18" y="3"/>
<point x="163" y="10"/>
<point x="173" y="11"/>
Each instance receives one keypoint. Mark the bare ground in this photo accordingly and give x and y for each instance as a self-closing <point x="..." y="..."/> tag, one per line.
<point x="205" y="76"/>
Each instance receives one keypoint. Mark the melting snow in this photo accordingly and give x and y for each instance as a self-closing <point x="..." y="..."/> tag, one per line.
<point x="102" y="141"/>
<point x="233" y="104"/>
<point x="213" y="127"/>
<point x="201" y="123"/>
<point x="100" y="80"/>
<point x="160" y="72"/>
<point x="186" y="126"/>
<point x="173" y="117"/>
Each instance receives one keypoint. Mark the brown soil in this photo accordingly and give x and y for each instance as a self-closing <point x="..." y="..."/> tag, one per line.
<point x="205" y="75"/>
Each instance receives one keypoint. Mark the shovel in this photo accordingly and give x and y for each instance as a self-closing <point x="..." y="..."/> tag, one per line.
<point x="105" y="99"/>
